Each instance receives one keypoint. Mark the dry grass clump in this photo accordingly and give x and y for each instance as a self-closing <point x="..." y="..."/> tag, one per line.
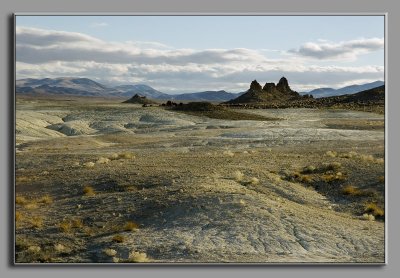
<point x="348" y="155"/>
<point x="18" y="216"/>
<point x="89" y="164"/>
<point x="309" y="169"/>
<point x="77" y="223"/>
<point x="297" y="176"/>
<point x="238" y="176"/>
<point x="367" y="157"/>
<point x="332" y="166"/>
<point x="333" y="177"/>
<point x="89" y="191"/>
<point x="229" y="153"/>
<point x="110" y="252"/>
<point x="46" y="199"/>
<point x="374" y="209"/>
<point x="31" y="205"/>
<point x="103" y="160"/>
<point x="59" y="248"/>
<point x="368" y="217"/>
<point x="36" y="222"/>
<point x="131" y="226"/>
<point x="305" y="179"/>
<point x="113" y="156"/>
<point x="380" y="161"/>
<point x="118" y="238"/>
<point x="331" y="153"/>
<point x="34" y="249"/>
<point x="19" y="179"/>
<point x="137" y="257"/>
<point x="126" y="155"/>
<point x="381" y="179"/>
<point x="254" y="180"/>
<point x="20" y="200"/>
<point x="274" y="177"/>
<point x="65" y="226"/>
<point x="351" y="190"/>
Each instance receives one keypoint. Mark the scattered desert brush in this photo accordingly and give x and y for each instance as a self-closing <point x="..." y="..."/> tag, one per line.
<point x="89" y="191"/>
<point x="110" y="252"/>
<point x="103" y="160"/>
<point x="228" y="153"/>
<point x="328" y="178"/>
<point x="238" y="176"/>
<point x="59" y="248"/>
<point x="274" y="177"/>
<point x="374" y="209"/>
<point x="34" y="249"/>
<point x="20" y="200"/>
<point x="137" y="257"/>
<point x="309" y="169"/>
<point x="332" y="166"/>
<point x="46" y="199"/>
<point x="368" y="217"/>
<point x="77" y="223"/>
<point x="331" y="153"/>
<point x="36" y="222"/>
<point x="298" y="177"/>
<point x="351" y="190"/>
<point x="118" y="238"/>
<point x="65" y="226"/>
<point x="18" y="216"/>
<point x="89" y="164"/>
<point x="367" y="157"/>
<point x="350" y="154"/>
<point x="131" y="226"/>
<point x="380" y="161"/>
<point x="113" y="156"/>
<point x="254" y="180"/>
<point x="126" y="155"/>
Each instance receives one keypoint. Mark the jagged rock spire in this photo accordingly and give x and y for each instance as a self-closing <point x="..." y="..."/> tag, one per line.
<point x="283" y="85"/>
<point x="255" y="86"/>
<point x="269" y="87"/>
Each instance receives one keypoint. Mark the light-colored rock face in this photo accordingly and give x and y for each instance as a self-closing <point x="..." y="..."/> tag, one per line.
<point x="182" y="187"/>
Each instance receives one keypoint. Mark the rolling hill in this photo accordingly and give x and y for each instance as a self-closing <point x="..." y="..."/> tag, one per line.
<point x="352" y="89"/>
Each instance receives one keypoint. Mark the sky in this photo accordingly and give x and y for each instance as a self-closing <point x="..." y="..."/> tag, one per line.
<point x="180" y="54"/>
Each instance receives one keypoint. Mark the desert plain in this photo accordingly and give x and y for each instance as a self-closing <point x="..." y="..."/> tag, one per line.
<point x="100" y="181"/>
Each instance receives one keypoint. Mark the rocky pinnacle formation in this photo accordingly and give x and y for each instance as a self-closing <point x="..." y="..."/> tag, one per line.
<point x="278" y="93"/>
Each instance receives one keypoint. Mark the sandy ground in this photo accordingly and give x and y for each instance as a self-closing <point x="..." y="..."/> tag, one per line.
<point x="170" y="187"/>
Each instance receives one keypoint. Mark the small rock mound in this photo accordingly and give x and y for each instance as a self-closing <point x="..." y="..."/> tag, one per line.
<point x="139" y="100"/>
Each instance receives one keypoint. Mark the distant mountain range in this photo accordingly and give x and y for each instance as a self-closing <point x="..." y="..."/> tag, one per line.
<point x="87" y="87"/>
<point x="352" y="89"/>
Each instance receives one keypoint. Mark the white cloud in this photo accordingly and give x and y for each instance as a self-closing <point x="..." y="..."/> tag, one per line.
<point x="49" y="53"/>
<point x="343" y="50"/>
<point x="98" y="24"/>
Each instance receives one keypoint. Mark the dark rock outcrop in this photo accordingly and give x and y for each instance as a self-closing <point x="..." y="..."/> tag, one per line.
<point x="270" y="93"/>
<point x="139" y="100"/>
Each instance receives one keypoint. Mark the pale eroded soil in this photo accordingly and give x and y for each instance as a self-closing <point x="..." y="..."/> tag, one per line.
<point x="181" y="190"/>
